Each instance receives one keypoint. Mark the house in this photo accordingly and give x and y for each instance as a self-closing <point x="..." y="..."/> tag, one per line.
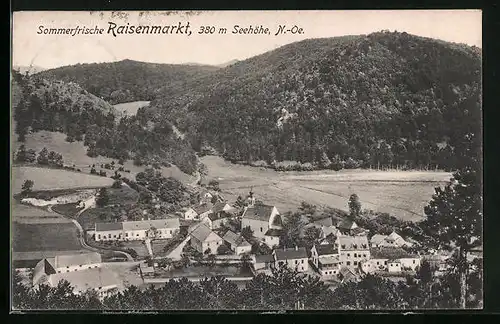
<point x="101" y="280"/>
<point x="146" y="271"/>
<point x="260" y="218"/>
<point x="198" y="212"/>
<point x="272" y="238"/>
<point x="325" y="258"/>
<point x="203" y="239"/>
<point x="392" y="240"/>
<point x="390" y="259"/>
<point x="223" y="207"/>
<point x="237" y="243"/>
<point x="294" y="258"/>
<point x="137" y="230"/>
<point x="77" y="262"/>
<point x="216" y="220"/>
<point x="263" y="263"/>
<point x="347" y="274"/>
<point x="345" y="226"/>
<point x="353" y="250"/>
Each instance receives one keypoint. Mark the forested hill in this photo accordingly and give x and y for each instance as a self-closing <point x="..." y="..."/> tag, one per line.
<point x="126" y="80"/>
<point x="40" y="104"/>
<point x="384" y="99"/>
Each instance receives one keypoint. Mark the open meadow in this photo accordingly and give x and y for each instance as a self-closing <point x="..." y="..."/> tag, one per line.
<point x="76" y="154"/>
<point x="402" y="194"/>
<point x="130" y="108"/>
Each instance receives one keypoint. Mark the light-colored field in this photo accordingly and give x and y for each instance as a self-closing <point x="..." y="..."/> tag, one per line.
<point x="400" y="193"/>
<point x="130" y="108"/>
<point x="33" y="215"/>
<point x="76" y="153"/>
<point x="51" y="179"/>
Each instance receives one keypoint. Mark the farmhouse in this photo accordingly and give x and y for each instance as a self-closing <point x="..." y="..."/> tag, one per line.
<point x="392" y="240"/>
<point x="137" y="230"/>
<point x="101" y="280"/>
<point x="204" y="240"/>
<point x="261" y="218"/>
<point x="202" y="211"/>
<point x="237" y="243"/>
<point x="77" y="262"/>
<point x="294" y="258"/>
<point x="216" y="220"/>
<point x="326" y="259"/>
<point x="353" y="250"/>
<point x="391" y="260"/>
<point x="345" y="226"/>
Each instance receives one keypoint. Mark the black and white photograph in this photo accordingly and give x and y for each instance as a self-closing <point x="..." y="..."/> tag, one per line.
<point x="260" y="161"/>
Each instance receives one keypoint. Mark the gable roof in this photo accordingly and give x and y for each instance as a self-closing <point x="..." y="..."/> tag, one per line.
<point x="147" y="224"/>
<point x="264" y="258"/>
<point x="377" y="239"/>
<point x="235" y="239"/>
<point x="62" y="261"/>
<point x="292" y="253"/>
<point x="326" y="249"/>
<point x="202" y="208"/>
<point x="87" y="279"/>
<point x="347" y="224"/>
<point x="219" y="206"/>
<point x="326" y="221"/>
<point x="258" y="212"/>
<point x="273" y="232"/>
<point x="390" y="253"/>
<point x="219" y="215"/>
<point x="347" y="243"/>
<point x="347" y="273"/>
<point x="116" y="226"/>
<point x="329" y="260"/>
<point x="203" y="232"/>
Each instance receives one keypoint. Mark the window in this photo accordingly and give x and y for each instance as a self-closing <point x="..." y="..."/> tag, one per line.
<point x="364" y="255"/>
<point x="114" y="236"/>
<point x="355" y="255"/>
<point x="385" y="262"/>
<point x="302" y="261"/>
<point x="80" y="265"/>
<point x="343" y="246"/>
<point x="109" y="235"/>
<point x="261" y="229"/>
<point x="67" y="266"/>
<point x="137" y="234"/>
<point x="126" y="234"/>
<point x="348" y="254"/>
<point x="99" y="236"/>
<point x="413" y="261"/>
<point x="58" y="271"/>
<point x="355" y="262"/>
<point x="348" y="263"/>
<point x="355" y="246"/>
<point x="170" y="231"/>
<point x="296" y="261"/>
<point x="378" y="263"/>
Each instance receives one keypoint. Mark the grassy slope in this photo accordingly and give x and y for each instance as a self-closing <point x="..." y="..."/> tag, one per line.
<point x="402" y="194"/>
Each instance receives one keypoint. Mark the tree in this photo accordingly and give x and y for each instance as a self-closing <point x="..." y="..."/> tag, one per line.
<point x="223" y="250"/>
<point x="43" y="157"/>
<point x="213" y="185"/>
<point x="307" y="209"/>
<point x="292" y="229"/>
<point x="454" y="215"/>
<point x="325" y="162"/>
<point x="102" y="197"/>
<point x="354" y="206"/>
<point x="211" y="259"/>
<point x="240" y="202"/>
<point x="311" y="235"/>
<point x="21" y="154"/>
<point x="247" y="233"/>
<point x="27" y="186"/>
<point x="117" y="184"/>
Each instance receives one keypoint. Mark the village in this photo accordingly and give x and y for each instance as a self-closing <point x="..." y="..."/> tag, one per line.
<point x="237" y="241"/>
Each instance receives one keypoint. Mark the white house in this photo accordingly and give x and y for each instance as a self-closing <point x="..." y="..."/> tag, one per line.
<point x="198" y="212"/>
<point x="203" y="239"/>
<point x="390" y="259"/>
<point x="237" y="243"/>
<point x="353" y="250"/>
<point x="272" y="238"/>
<point x="394" y="266"/>
<point x="137" y="230"/>
<point x="216" y="220"/>
<point x="263" y="263"/>
<point x="294" y="258"/>
<point x="260" y="219"/>
<point x="325" y="258"/>
<point x="392" y="240"/>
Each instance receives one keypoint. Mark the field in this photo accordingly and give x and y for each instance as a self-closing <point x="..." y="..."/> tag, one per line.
<point x="130" y="108"/>
<point x="402" y="194"/>
<point x="44" y="237"/>
<point x="45" y="179"/>
<point x="76" y="153"/>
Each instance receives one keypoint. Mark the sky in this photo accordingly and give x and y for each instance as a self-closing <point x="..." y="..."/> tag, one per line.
<point x="49" y="51"/>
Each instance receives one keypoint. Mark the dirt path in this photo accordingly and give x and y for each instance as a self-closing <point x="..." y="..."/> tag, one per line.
<point x="175" y="254"/>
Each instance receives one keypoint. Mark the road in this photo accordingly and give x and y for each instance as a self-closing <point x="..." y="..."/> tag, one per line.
<point x="81" y="233"/>
<point x="176" y="253"/>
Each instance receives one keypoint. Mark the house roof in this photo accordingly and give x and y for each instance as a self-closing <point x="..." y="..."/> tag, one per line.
<point x="347" y="224"/>
<point x="147" y="224"/>
<point x="327" y="222"/>
<point x="62" y="261"/>
<point x="219" y="206"/>
<point x="87" y="279"/>
<point x="202" y="208"/>
<point x="326" y="249"/>
<point x="329" y="260"/>
<point x="390" y="253"/>
<point x="377" y="239"/>
<point x="219" y="215"/>
<point x="264" y="258"/>
<point x="347" y="273"/>
<point x="273" y="232"/>
<point x="292" y="253"/>
<point x="358" y="231"/>
<point x="115" y="226"/>
<point x="235" y="239"/>
<point x="203" y="232"/>
<point x="329" y="230"/>
<point x="347" y="243"/>
<point x="258" y="212"/>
